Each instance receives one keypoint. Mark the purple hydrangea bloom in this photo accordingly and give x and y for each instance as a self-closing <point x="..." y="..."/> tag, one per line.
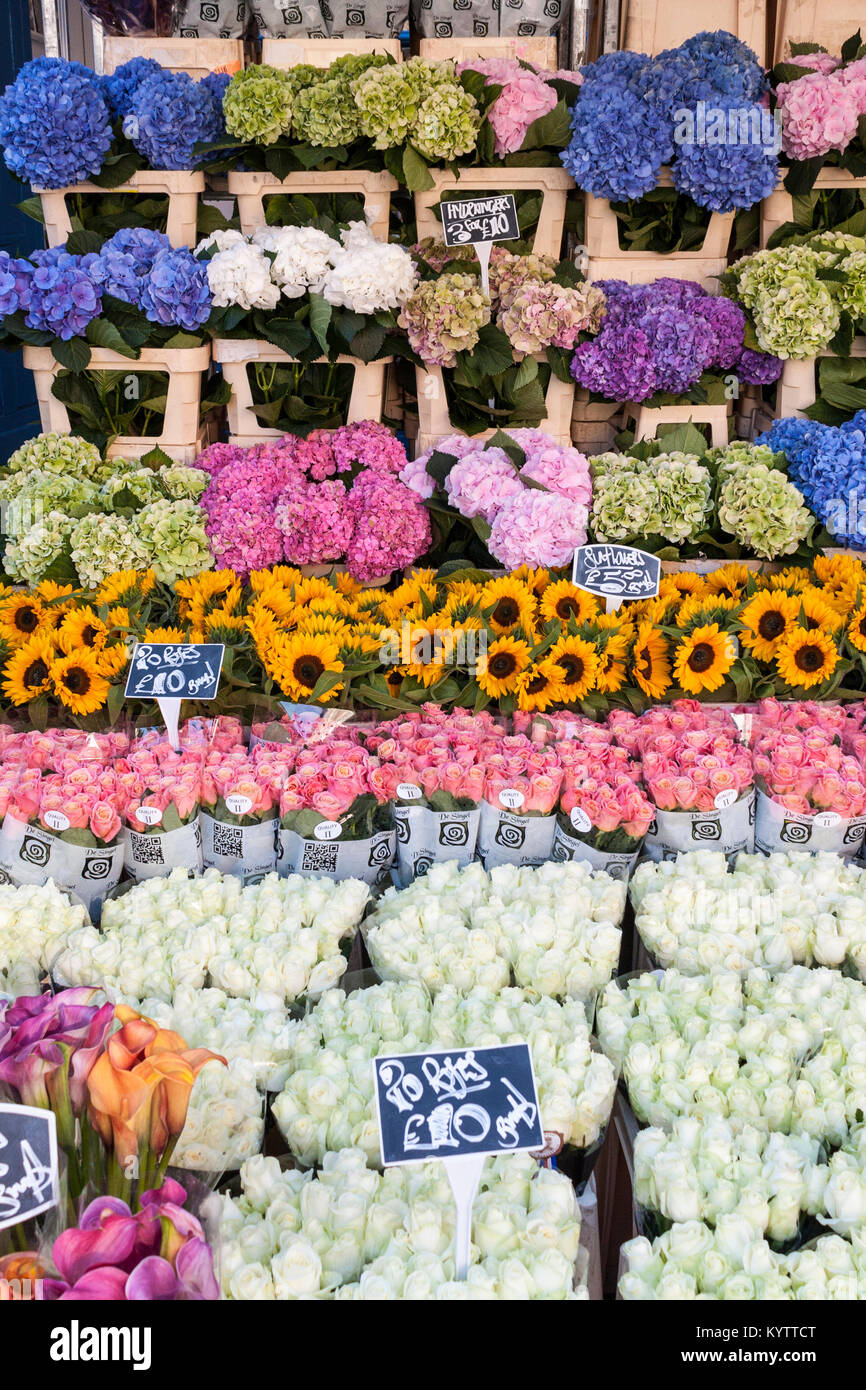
<point x="15" y="278"/>
<point x="758" y="368"/>
<point x="727" y="322"/>
<point x="618" y="365"/>
<point x="119" y="87"/>
<point x="170" y="114"/>
<point x="55" y="125"/>
<point x="126" y="260"/>
<point x="176" y="293"/>
<point x="63" y="296"/>
<point x="681" y="345"/>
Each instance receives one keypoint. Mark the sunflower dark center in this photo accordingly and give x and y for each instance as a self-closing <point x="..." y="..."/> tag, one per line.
<point x="861" y="626"/>
<point x="27" y="619"/>
<point x="502" y="665"/>
<point x="809" y="659"/>
<point x="506" y="612"/>
<point x="77" y="680"/>
<point x="567" y="607"/>
<point x="537" y="684"/>
<point x="771" y="625"/>
<point x="307" y="670"/>
<point x="36" y="673"/>
<point x="645" y="664"/>
<point x="573" y="667"/>
<point x="701" y="658"/>
<point x="88" y="635"/>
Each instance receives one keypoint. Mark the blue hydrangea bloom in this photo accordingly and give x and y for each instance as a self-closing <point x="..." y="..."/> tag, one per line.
<point x="799" y="440"/>
<point x="63" y="295"/>
<point x="142" y="244"/>
<point x="176" y="293"/>
<point x="120" y="86"/>
<point x="618" y="144"/>
<point x="55" y="125"/>
<point x="734" y="174"/>
<point x="619" y="67"/>
<point x="15" y="278"/>
<point x="125" y="261"/>
<point x="169" y="115"/>
<point x="727" y="62"/>
<point x="215" y="84"/>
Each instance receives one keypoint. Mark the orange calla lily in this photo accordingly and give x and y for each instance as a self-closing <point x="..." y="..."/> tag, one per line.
<point x="120" y="1106"/>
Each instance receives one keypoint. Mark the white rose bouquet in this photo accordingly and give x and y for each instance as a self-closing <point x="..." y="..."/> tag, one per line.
<point x="34" y="921"/>
<point x="225" y="1123"/>
<point x="256" y="1031"/>
<point x="350" y="1233"/>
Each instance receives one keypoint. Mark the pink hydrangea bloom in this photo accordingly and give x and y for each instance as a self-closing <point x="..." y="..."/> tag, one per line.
<point x="480" y="483"/>
<point x="391" y="525"/>
<point x="416" y="477"/>
<point x="239" y="504"/>
<point x="537" y="528"/>
<point x="368" y="444"/>
<point x="521" y="102"/>
<point x="498" y="70"/>
<point x="819" y="114"/>
<point x="216" y="457"/>
<point x="565" y="471"/>
<point x="315" y="522"/>
<point x="818" y="62"/>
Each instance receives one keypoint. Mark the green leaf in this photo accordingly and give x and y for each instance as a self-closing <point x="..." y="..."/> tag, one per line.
<point x="850" y="48"/>
<point x="74" y="354"/>
<point x="320" y="320"/>
<point x="326" y="683"/>
<point x="156" y="458"/>
<point x="493" y="353"/>
<point x="502" y="440"/>
<point x="481" y="528"/>
<point x="799" y="49"/>
<point x="82" y="243"/>
<point x="552" y="130"/>
<point x="289" y="335"/>
<point x="102" y="333"/>
<point x="439" y="465"/>
<point x="118" y="169"/>
<point x="32" y="207"/>
<point x="801" y="176"/>
<point x="183" y="340"/>
<point x="527" y="371"/>
<point x="416" y="171"/>
<point x="280" y="161"/>
<point x="368" y="343"/>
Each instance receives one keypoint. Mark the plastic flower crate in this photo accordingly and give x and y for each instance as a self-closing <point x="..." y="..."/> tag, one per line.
<point x="541" y="50"/>
<point x="287" y="53"/>
<point x="607" y="260"/>
<point x="366" y="399"/>
<point x="649" y="26"/>
<point x="434" y="421"/>
<point x="198" y="57"/>
<point x="252" y="188"/>
<point x="797" y="388"/>
<point x="814" y="21"/>
<point x="182" y="436"/>
<point x="594" y="424"/>
<point x="554" y="186"/>
<point x="647" y="419"/>
<point x="181" y="187"/>
<point x="778" y="208"/>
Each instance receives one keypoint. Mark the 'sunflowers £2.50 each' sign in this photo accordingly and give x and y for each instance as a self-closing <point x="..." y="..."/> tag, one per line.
<point x="458" y="1105"/>
<point x="616" y="572"/>
<point x="28" y="1163"/>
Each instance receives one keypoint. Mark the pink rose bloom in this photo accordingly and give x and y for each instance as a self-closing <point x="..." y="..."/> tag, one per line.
<point x="538" y="529"/>
<point x="330" y="805"/>
<point x="565" y="471"/>
<point x="819" y="114"/>
<point x="522" y="101"/>
<point x="481" y="482"/>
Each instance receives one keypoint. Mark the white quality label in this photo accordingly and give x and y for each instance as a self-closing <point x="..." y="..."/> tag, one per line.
<point x="149" y="815"/>
<point x="328" y="830"/>
<point x="511" y="798"/>
<point x="579" y="819"/>
<point x="238" y="805"/>
<point x="827" y="819"/>
<point x="725" y="798"/>
<point x="56" y="820"/>
<point x="407" y="791"/>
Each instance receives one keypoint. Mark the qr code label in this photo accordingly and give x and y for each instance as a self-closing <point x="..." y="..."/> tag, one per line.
<point x="320" y="858"/>
<point x="228" y="840"/>
<point x="146" y="849"/>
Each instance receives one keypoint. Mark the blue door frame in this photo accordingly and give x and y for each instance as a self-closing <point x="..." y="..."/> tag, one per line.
<point x="19" y="417"/>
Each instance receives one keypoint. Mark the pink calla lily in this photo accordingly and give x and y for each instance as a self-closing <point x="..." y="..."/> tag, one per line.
<point x="194" y="1266"/>
<point x="75" y="1251"/>
<point x="153" y="1280"/>
<point x="98" y="1286"/>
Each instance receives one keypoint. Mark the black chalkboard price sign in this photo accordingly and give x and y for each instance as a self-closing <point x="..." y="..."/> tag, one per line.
<point x="467" y="221"/>
<point x="456" y="1103"/>
<point x="175" y="671"/>
<point x="617" y="572"/>
<point x="28" y="1163"/>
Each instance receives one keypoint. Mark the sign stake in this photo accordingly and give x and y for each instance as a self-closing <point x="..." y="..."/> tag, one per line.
<point x="169" y="708"/>
<point x="464" y="1175"/>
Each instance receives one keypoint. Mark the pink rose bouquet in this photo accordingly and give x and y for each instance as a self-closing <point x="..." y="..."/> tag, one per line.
<point x="238" y="816"/>
<point x="160" y="791"/>
<point x="335" y="814"/>
<point x="811" y="794"/>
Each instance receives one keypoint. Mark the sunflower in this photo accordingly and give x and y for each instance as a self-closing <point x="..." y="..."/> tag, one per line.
<point x="509" y="603"/>
<point x="282" y="600"/>
<point x="112" y="660"/>
<point x="856" y="631"/>
<point x="82" y="627"/>
<point x="707" y="608"/>
<point x="262" y="626"/>
<point x="611" y="673"/>
<point x="219" y="621"/>
<point x="165" y="634"/>
<point x="795" y="577"/>
<point x="49" y="591"/>
<point x="303" y="658"/>
<point x="538" y="686"/>
<point x="422" y="640"/>
<point x="840" y="576"/>
<point x="346" y="585"/>
<point x="564" y="601"/>
<point x="369" y="599"/>
<point x="27" y="671"/>
<point x="650" y="661"/>
<point x="20" y="617"/>
<point x="498" y="669"/>
<point x="729" y="579"/>
<point x="577" y="663"/>
<point x="121" y="585"/>
<point x="768" y="617"/>
<point x="288" y="575"/>
<point x="806" y="657"/>
<point x="683" y="582"/>
<point x="78" y="682"/>
<point x="817" y="611"/>
<point x="703" y="659"/>
<point x="203" y="587"/>
<point x="536" y="580"/>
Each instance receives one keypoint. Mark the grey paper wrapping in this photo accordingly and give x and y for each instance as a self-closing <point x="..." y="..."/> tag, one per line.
<point x="342" y="19"/>
<point x="370" y="860"/>
<point x="30" y="854"/>
<point x="728" y="830"/>
<point x="156" y="854"/>
<point x="247" y="851"/>
<point x="566" y="846"/>
<point x="426" y="837"/>
<point x="506" y="838"/>
<point x="210" y="19"/>
<point x="778" y="830"/>
<point x="483" y="19"/>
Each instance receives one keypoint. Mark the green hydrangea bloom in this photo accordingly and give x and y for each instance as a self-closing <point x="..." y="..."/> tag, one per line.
<point x="795" y="313"/>
<point x="446" y="125"/>
<point x="30" y="557"/>
<point x="142" y="483"/>
<point x="387" y="105"/>
<point x="305" y="75"/>
<point x="57" y="453"/>
<point x="27" y="497"/>
<point x="740" y="451"/>
<point x="257" y="105"/>
<point x="352" y="65"/>
<point x="111" y="468"/>
<point x="764" y="511"/>
<point x="103" y="544"/>
<point x="326" y="115"/>
<point x="668" y="496"/>
<point x="852" y="294"/>
<point x="181" y="482"/>
<point x="174" y="537"/>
